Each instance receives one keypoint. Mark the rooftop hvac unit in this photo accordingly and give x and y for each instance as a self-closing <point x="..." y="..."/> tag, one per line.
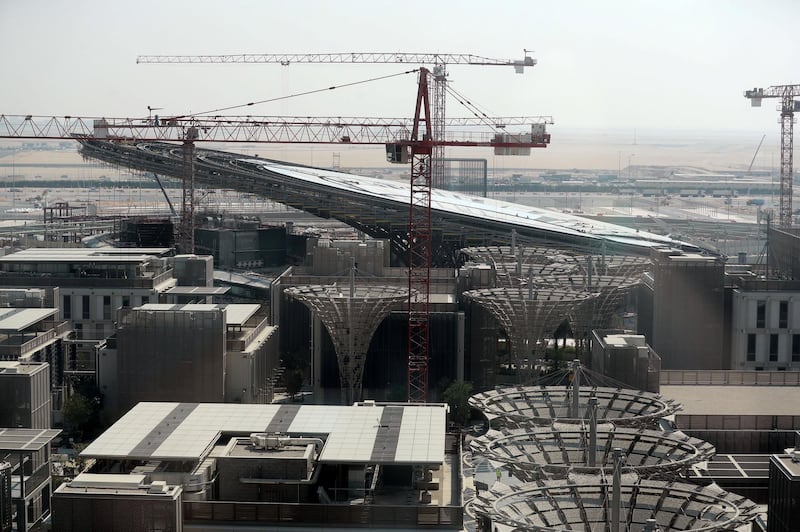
<point x="158" y="486"/>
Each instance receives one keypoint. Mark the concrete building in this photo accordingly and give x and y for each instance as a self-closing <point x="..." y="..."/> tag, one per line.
<point x="93" y="282"/>
<point x="784" y="492"/>
<point x="24" y="394"/>
<point x="626" y="358"/>
<point x="244" y="247"/>
<point x="241" y="467"/>
<point x="27" y="471"/>
<point x="96" y="503"/>
<point x="35" y="335"/>
<point x="193" y="353"/>
<point x="765" y="325"/>
<point x="25" y="410"/>
<point x="683" y="312"/>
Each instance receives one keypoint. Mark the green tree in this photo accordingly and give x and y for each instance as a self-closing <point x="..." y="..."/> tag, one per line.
<point x="293" y="380"/>
<point x="78" y="414"/>
<point x="457" y="396"/>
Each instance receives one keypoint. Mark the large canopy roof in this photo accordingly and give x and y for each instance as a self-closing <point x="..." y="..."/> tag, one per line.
<point x="583" y="504"/>
<point x="532" y="452"/>
<point x="384" y="434"/>
<point x="547" y="404"/>
<point x="380" y="207"/>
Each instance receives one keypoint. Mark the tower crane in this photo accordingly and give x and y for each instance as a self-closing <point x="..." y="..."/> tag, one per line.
<point x="787" y="94"/>
<point x="405" y="140"/>
<point x="439" y="61"/>
<point x="427" y="168"/>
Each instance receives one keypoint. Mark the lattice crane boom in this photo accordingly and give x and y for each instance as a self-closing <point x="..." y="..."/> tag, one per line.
<point x="273" y="129"/>
<point x="788" y="106"/>
<point x="359" y="57"/>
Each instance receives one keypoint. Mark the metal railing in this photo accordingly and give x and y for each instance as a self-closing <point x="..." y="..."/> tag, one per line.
<point x="362" y="516"/>
<point x="19" y="349"/>
<point x="730" y="377"/>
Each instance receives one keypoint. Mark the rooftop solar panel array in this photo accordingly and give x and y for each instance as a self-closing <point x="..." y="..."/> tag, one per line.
<point x="353" y="434"/>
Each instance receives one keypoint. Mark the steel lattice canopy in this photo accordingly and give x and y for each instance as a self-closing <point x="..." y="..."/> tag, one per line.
<point x="544" y="405"/>
<point x="528" y="314"/>
<point x="584" y="503"/>
<point x="535" y="452"/>
<point x="513" y="266"/>
<point x="351" y="321"/>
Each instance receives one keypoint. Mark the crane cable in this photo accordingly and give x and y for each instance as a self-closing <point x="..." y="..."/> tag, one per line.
<point x="295" y="95"/>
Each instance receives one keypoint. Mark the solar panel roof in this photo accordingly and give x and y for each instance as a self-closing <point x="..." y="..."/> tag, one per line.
<point x="387" y="434"/>
<point x="16" y="440"/>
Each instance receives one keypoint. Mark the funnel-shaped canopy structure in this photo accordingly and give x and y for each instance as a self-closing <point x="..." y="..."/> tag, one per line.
<point x="528" y="314"/>
<point x="516" y="265"/>
<point x="534" y="453"/>
<point x="544" y="405"/>
<point x="351" y="316"/>
<point x="597" y="312"/>
<point x="584" y="504"/>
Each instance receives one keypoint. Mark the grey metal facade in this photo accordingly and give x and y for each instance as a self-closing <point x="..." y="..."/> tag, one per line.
<point x="170" y="356"/>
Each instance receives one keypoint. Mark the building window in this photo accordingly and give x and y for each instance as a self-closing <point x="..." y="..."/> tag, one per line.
<point x="796" y="348"/>
<point x="145" y="300"/>
<point x="751" y="347"/>
<point x="126" y="301"/>
<point x="783" y="315"/>
<point x="67" y="309"/>
<point x="85" y="310"/>
<point x="79" y="331"/>
<point x="761" y="314"/>
<point x="106" y="307"/>
<point x="773" y="347"/>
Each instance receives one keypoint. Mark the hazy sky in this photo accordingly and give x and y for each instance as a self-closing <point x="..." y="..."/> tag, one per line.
<point x="607" y="64"/>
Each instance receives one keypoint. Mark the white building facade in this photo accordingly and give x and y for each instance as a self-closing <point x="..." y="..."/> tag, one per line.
<point x="765" y="327"/>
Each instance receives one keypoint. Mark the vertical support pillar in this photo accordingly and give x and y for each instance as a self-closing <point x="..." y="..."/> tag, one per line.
<point x="592" y="451"/>
<point x="616" y="494"/>
<point x="576" y="388"/>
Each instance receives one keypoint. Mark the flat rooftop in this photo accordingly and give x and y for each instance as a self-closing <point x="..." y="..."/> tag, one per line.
<point x="235" y="313"/>
<point x="729" y="400"/>
<point x="17" y="319"/>
<point x="91" y="484"/>
<point x="99" y="255"/>
<point x="377" y="434"/>
<point x="785" y="462"/>
<point x="198" y="290"/>
<point x="20" y="367"/>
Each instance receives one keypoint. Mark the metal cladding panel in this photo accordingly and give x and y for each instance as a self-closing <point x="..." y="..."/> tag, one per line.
<point x="171" y="356"/>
